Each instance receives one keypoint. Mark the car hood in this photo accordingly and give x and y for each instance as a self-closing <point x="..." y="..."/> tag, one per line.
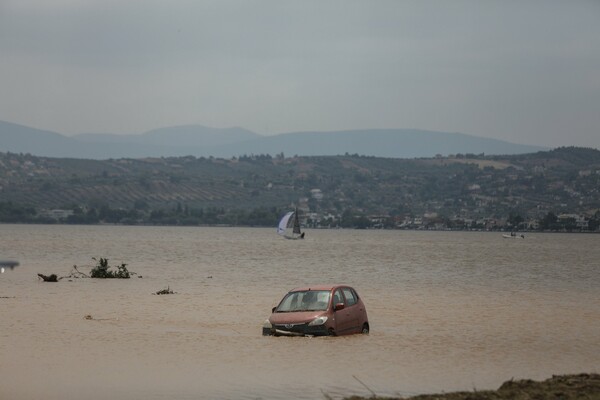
<point x="299" y="317"/>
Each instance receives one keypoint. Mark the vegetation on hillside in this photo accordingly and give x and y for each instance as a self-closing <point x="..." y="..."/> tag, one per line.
<point x="552" y="188"/>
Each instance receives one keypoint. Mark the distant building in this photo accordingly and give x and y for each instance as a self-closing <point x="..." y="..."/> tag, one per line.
<point x="316" y="194"/>
<point x="580" y="221"/>
<point x="56" y="214"/>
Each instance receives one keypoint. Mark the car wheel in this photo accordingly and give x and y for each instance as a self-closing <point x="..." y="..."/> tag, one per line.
<point x="331" y="332"/>
<point x="365" y="329"/>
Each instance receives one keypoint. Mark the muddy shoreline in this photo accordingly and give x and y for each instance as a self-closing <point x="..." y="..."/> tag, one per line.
<point x="559" y="387"/>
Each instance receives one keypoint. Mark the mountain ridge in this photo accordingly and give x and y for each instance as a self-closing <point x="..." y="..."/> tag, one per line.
<point x="202" y="141"/>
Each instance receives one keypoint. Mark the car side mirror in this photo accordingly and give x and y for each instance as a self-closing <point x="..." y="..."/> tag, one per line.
<point x="338" y="306"/>
<point x="273" y="309"/>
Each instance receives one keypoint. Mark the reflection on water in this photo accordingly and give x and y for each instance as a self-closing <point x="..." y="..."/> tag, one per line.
<point x="448" y="311"/>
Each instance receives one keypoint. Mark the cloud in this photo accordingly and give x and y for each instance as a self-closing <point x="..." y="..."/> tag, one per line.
<point x="521" y="72"/>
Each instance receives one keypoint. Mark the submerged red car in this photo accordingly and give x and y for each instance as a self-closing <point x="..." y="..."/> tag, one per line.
<point x="322" y="310"/>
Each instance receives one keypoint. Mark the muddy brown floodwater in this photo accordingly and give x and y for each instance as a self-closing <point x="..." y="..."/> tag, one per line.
<point x="449" y="311"/>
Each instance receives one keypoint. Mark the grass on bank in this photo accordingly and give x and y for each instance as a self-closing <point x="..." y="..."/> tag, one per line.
<point x="559" y="387"/>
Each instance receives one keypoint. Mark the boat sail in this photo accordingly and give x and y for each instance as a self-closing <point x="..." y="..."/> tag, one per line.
<point x="290" y="220"/>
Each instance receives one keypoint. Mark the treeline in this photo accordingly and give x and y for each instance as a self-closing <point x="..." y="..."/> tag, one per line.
<point x="14" y="213"/>
<point x="179" y="215"/>
<point x="269" y="217"/>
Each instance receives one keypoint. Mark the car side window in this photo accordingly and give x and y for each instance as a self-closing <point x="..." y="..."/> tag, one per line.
<point x="337" y="297"/>
<point x="350" y="297"/>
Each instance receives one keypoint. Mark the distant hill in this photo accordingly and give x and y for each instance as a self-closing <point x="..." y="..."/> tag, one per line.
<point x="201" y="141"/>
<point x="181" y="190"/>
<point x="196" y="136"/>
<point x="22" y="139"/>
<point x="391" y="143"/>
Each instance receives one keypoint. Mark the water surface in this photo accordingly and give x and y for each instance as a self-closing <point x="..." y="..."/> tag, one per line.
<point x="448" y="311"/>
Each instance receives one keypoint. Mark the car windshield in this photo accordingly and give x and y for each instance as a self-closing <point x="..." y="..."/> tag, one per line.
<point x="309" y="300"/>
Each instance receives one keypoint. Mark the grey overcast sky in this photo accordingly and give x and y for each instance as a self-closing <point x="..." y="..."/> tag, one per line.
<point x="523" y="71"/>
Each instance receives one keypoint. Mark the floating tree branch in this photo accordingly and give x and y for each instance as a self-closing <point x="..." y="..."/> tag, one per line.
<point x="101" y="270"/>
<point x="165" y="291"/>
<point x="49" y="278"/>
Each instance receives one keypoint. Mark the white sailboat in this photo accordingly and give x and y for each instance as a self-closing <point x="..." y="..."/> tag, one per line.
<point x="290" y="222"/>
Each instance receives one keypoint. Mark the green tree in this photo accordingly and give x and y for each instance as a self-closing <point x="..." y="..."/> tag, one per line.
<point x="549" y="222"/>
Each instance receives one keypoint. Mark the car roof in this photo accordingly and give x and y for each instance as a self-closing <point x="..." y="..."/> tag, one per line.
<point x="317" y="287"/>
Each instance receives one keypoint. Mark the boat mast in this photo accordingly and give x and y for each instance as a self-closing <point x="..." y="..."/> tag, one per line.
<point x="296" y="223"/>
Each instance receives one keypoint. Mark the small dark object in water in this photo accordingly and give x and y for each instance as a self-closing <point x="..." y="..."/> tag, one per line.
<point x="49" y="278"/>
<point x="165" y="291"/>
<point x="9" y="264"/>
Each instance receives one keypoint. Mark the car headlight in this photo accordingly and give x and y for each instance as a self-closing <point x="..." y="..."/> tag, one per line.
<point x="317" y="321"/>
<point x="267" y="324"/>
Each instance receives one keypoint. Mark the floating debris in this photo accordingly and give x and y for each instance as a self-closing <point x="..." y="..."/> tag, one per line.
<point x="165" y="291"/>
<point x="75" y="273"/>
<point x="89" y="317"/>
<point x="101" y="270"/>
<point x="48" y="278"/>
